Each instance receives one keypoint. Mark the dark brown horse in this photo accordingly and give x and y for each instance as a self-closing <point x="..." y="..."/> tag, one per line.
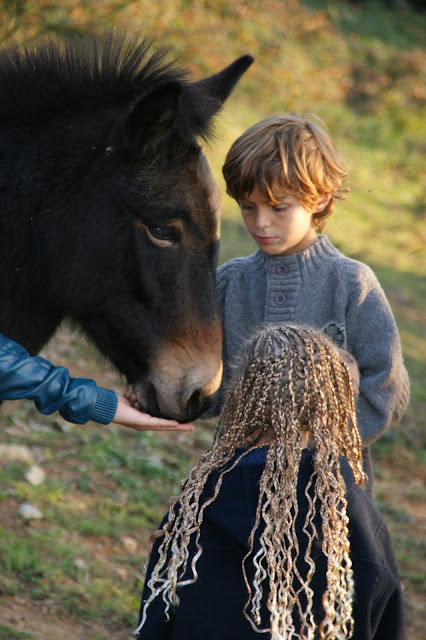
<point x="109" y="213"/>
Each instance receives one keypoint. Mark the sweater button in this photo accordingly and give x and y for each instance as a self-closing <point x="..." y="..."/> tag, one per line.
<point x="279" y="298"/>
<point x="281" y="269"/>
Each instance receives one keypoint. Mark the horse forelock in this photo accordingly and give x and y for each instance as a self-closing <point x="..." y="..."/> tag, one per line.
<point x="105" y="71"/>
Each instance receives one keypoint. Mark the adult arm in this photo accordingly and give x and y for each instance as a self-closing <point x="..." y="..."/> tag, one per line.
<point x="131" y="417"/>
<point x="78" y="400"/>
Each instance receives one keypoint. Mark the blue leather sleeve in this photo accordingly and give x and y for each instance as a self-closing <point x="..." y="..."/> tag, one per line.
<point x="52" y="388"/>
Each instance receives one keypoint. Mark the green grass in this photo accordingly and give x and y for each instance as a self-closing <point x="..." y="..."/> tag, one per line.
<point x="114" y="485"/>
<point x="12" y="634"/>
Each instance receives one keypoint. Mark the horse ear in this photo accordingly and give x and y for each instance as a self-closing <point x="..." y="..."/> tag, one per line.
<point x="210" y="94"/>
<point x="152" y="117"/>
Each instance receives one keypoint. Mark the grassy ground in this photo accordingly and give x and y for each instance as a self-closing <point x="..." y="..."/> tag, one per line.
<point x="77" y="574"/>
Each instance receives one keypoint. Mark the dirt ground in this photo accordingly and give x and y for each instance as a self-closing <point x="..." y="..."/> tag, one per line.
<point x="43" y="623"/>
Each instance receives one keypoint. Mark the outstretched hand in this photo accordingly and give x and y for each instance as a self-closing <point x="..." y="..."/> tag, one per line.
<point x="128" y="415"/>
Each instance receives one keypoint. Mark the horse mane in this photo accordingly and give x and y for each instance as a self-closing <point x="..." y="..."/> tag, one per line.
<point x="83" y="73"/>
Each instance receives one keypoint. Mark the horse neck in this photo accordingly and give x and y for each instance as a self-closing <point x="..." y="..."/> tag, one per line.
<point x="27" y="315"/>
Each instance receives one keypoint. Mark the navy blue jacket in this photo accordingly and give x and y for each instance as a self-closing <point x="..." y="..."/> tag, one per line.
<point x="212" y="608"/>
<point x="52" y="388"/>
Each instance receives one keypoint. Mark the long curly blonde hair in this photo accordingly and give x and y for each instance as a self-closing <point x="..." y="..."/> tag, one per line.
<point x="289" y="379"/>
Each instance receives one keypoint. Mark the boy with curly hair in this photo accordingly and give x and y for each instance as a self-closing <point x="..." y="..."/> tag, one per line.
<point x="285" y="174"/>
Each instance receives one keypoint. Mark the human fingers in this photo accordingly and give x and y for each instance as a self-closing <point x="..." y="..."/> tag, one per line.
<point x="129" y="416"/>
<point x="132" y="398"/>
<point x="146" y="422"/>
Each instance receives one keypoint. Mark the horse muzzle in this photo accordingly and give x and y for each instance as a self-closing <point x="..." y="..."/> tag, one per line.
<point x="180" y="390"/>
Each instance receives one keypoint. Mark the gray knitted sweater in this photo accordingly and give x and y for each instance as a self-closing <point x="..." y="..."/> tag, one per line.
<point x="322" y="288"/>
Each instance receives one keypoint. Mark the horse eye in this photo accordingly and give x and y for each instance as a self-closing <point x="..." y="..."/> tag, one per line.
<point x="164" y="233"/>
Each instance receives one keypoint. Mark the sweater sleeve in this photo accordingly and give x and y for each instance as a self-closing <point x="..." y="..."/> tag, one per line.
<point x="78" y="400"/>
<point x="373" y="340"/>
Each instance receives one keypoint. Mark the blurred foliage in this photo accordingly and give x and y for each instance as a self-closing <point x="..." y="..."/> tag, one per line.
<point x="304" y="48"/>
<point x="330" y="57"/>
<point x="25" y="20"/>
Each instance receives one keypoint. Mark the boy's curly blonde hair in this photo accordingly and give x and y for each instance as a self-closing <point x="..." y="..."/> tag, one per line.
<point x="289" y="378"/>
<point x="286" y="155"/>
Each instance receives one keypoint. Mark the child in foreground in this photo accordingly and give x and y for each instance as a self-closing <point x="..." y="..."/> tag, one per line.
<point x="272" y="531"/>
<point x="285" y="174"/>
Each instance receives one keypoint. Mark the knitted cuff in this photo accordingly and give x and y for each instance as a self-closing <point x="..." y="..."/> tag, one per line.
<point x="105" y="407"/>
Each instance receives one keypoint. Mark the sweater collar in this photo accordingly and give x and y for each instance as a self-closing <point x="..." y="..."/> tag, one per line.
<point x="320" y="250"/>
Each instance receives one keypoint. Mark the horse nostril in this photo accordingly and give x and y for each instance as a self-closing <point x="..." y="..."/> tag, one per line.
<point x="194" y="402"/>
<point x="197" y="404"/>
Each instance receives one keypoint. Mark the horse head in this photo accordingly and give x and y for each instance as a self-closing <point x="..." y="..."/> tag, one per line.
<point x="113" y="216"/>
